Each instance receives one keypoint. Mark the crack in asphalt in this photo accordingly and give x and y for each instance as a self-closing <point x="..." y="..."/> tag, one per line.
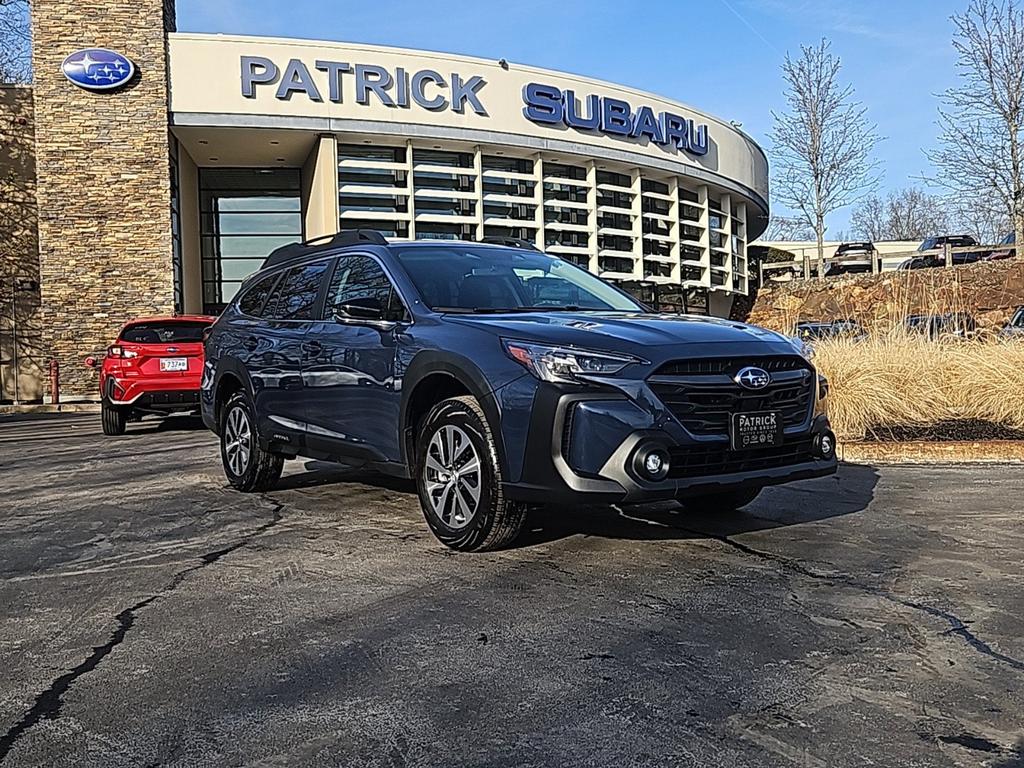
<point x="957" y="626"/>
<point x="47" y="705"/>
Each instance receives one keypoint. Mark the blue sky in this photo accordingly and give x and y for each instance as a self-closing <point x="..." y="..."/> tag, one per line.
<point x="722" y="56"/>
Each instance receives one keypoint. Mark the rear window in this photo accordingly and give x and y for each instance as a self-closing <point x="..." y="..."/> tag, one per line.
<point x="255" y="298"/>
<point x="846" y="247"/>
<point x="163" y="333"/>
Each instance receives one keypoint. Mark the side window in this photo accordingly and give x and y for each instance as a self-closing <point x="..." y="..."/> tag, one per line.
<point x="359" y="281"/>
<point x="255" y="297"/>
<point x="296" y="293"/>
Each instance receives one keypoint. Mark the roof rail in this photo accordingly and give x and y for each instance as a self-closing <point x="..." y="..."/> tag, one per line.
<point x="511" y="242"/>
<point x="294" y="251"/>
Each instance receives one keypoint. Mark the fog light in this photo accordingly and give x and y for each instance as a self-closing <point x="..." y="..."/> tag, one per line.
<point x="651" y="462"/>
<point x="826" y="445"/>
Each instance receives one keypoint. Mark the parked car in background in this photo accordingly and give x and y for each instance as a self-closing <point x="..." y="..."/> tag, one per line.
<point x="1005" y="253"/>
<point x="1014" y="328"/>
<point x="932" y="254"/>
<point x="497" y="376"/>
<point x="851" y="259"/>
<point x="958" y="325"/>
<point x="154" y="367"/>
<point x="812" y="331"/>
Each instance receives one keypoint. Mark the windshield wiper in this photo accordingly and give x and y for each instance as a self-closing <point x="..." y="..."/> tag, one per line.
<point x="477" y="310"/>
<point x="516" y="310"/>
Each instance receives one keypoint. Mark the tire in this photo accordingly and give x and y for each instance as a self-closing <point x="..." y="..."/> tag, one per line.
<point x="247" y="466"/>
<point x="114" y="418"/>
<point x="725" y="501"/>
<point x="490" y="521"/>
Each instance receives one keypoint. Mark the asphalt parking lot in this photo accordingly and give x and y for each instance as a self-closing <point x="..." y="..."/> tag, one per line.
<point x="153" y="617"/>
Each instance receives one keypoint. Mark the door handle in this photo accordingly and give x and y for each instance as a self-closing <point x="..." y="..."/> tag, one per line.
<point x="250" y="343"/>
<point x="312" y="348"/>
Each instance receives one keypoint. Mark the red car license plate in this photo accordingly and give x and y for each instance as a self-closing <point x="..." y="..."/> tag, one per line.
<point x="173" y="364"/>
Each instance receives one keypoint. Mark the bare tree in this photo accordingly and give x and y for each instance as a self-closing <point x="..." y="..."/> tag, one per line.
<point x="870" y="219"/>
<point x="905" y="214"/>
<point x="15" y="42"/>
<point x="984" y="218"/>
<point x="823" y="144"/>
<point x="787" y="229"/>
<point x="980" y="157"/>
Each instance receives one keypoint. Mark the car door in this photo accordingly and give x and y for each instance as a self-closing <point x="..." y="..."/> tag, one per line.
<point x="276" y="352"/>
<point x="352" y="397"/>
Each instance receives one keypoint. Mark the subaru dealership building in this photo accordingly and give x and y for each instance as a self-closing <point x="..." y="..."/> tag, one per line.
<point x="165" y="166"/>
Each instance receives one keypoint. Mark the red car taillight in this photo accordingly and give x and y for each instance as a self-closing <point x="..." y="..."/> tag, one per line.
<point x="119" y="351"/>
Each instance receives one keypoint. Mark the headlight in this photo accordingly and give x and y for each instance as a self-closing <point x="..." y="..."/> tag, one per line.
<point x="565" y="364"/>
<point x="802" y="348"/>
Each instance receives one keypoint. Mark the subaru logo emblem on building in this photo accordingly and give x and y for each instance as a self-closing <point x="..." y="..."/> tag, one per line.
<point x="97" y="69"/>
<point x="753" y="378"/>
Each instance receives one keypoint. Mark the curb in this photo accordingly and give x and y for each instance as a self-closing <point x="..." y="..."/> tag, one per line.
<point x="966" y="452"/>
<point x="48" y="408"/>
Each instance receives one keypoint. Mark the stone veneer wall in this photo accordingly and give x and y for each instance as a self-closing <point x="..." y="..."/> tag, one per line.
<point x="990" y="291"/>
<point x="104" y="178"/>
<point x="19" y="251"/>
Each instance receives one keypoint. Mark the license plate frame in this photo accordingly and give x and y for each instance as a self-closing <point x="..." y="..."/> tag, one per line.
<point x="750" y="430"/>
<point x="173" y="365"/>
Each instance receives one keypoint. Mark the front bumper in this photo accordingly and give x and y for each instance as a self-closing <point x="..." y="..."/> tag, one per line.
<point x="581" y="448"/>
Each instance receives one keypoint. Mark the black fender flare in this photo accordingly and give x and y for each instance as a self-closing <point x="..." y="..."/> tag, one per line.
<point x="464" y="371"/>
<point x="230" y="366"/>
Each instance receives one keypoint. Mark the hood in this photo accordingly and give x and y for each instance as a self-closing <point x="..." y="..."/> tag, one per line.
<point x="622" y="331"/>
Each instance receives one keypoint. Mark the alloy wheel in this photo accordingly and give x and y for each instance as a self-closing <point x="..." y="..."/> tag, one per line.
<point x="237" y="441"/>
<point x="453" y="476"/>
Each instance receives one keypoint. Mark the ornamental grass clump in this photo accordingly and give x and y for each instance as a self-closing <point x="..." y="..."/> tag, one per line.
<point x="897" y="381"/>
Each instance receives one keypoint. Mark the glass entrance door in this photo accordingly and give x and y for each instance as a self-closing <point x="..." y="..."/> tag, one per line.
<point x="245" y="214"/>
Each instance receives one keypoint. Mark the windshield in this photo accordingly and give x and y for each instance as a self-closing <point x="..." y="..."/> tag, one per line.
<point x="467" y="278"/>
<point x="163" y="333"/>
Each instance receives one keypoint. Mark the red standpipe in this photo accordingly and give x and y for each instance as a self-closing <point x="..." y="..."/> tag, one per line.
<point x="55" y="382"/>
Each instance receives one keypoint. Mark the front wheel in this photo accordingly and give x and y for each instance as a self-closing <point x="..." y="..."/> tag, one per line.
<point x="459" y="479"/>
<point x="247" y="466"/>
<point x="723" y="501"/>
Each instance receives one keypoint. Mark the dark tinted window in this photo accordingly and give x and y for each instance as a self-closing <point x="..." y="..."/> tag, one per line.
<point x="256" y="296"/>
<point x="296" y="293"/>
<point x="360" y="280"/>
<point x="163" y="333"/>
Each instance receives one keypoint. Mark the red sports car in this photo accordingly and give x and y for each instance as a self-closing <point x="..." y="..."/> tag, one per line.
<point x="154" y="367"/>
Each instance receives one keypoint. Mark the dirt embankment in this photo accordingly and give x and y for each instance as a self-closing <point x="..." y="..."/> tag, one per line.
<point x="990" y="291"/>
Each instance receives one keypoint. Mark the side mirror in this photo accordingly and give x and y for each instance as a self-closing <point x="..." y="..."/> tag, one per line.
<point x="361" y="309"/>
<point x="91" y="362"/>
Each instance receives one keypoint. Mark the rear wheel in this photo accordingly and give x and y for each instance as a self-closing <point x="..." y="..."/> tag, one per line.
<point x="114" y="418"/>
<point x="460" y="482"/>
<point x="247" y="466"/>
<point x="725" y="501"/>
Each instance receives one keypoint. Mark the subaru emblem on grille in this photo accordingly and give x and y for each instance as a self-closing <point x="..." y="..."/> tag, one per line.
<point x="753" y="378"/>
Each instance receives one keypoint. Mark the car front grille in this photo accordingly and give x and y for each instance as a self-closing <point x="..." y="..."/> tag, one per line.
<point x="709" y="366"/>
<point x="703" y="396"/>
<point x="718" y="459"/>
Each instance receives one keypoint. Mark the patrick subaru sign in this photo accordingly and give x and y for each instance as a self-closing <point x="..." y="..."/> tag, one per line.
<point x="98" y="69"/>
<point x="323" y="80"/>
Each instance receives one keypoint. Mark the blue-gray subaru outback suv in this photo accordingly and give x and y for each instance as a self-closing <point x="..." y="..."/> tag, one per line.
<point x="499" y="377"/>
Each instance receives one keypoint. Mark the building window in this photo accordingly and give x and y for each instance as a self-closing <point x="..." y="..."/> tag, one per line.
<point x="245" y="214"/>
